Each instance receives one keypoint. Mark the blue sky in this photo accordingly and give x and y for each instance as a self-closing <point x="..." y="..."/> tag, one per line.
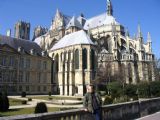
<point x="128" y="12"/>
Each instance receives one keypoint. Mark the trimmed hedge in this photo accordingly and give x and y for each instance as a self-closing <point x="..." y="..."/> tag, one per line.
<point x="115" y="89"/>
<point x="41" y="108"/>
<point x="49" y="93"/>
<point x="155" y="89"/>
<point x="23" y="94"/>
<point x="143" y="90"/>
<point x="130" y="91"/>
<point x="108" y="100"/>
<point x="4" y="102"/>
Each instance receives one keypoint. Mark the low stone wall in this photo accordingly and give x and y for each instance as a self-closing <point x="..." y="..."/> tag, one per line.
<point x="122" y="111"/>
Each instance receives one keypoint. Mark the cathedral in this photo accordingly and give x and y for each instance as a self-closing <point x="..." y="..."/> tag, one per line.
<point x="82" y="49"/>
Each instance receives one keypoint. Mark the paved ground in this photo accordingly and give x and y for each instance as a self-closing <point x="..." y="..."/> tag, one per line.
<point x="34" y="102"/>
<point x="155" y="116"/>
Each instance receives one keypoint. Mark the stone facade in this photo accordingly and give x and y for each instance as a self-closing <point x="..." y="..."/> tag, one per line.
<point x="128" y="57"/>
<point x="39" y="31"/>
<point x="73" y="68"/>
<point x="24" y="67"/>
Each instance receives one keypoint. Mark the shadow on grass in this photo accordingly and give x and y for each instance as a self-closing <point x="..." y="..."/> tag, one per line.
<point x="2" y="113"/>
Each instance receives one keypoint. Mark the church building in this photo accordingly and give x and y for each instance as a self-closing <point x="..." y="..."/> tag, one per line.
<point x="84" y="48"/>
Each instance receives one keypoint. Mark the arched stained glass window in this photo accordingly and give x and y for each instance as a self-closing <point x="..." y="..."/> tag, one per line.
<point x="84" y="53"/>
<point x="76" y="59"/>
<point x="57" y="63"/>
<point x="92" y="59"/>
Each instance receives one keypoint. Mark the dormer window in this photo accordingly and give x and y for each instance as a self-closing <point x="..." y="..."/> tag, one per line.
<point x="21" y="49"/>
<point x="32" y="52"/>
<point x="43" y="53"/>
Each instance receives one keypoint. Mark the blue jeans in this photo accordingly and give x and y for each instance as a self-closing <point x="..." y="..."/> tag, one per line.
<point x="97" y="114"/>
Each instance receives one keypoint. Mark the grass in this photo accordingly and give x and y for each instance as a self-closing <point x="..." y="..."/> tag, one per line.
<point x="55" y="97"/>
<point x="22" y="111"/>
<point x="14" y="102"/>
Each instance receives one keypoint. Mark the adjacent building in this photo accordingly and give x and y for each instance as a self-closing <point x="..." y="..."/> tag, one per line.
<point x="24" y="66"/>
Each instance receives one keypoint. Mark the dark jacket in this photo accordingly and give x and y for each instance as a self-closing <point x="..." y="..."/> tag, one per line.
<point x="88" y="101"/>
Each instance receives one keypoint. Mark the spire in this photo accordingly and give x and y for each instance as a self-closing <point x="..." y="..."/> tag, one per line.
<point x="58" y="12"/>
<point x="149" y="41"/>
<point x="127" y="33"/>
<point x="149" y="38"/>
<point x="139" y="35"/>
<point x="109" y="8"/>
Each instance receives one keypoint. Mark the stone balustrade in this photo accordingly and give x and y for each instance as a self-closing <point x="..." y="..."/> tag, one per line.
<point x="122" y="111"/>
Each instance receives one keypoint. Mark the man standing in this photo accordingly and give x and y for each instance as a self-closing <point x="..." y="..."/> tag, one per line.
<point x="92" y="102"/>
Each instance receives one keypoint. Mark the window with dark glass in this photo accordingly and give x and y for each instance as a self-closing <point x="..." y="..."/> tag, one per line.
<point x="7" y="76"/>
<point x="84" y="57"/>
<point x="44" y="77"/>
<point x="39" y="77"/>
<point x="57" y="63"/>
<point x="77" y="59"/>
<point x="27" y="88"/>
<point x="20" y="76"/>
<point x="0" y="76"/>
<point x="28" y="63"/>
<point x="39" y="64"/>
<point x="11" y="61"/>
<point x="92" y="59"/>
<point x="44" y="88"/>
<point x="27" y="76"/>
<point x="44" y="65"/>
<point x="20" y="88"/>
<point x="1" y="60"/>
<point x="39" y="88"/>
<point x="4" y="60"/>
<point x="21" y="62"/>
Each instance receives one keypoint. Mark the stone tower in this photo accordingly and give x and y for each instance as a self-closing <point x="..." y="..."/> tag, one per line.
<point x="22" y="30"/>
<point x="38" y="31"/>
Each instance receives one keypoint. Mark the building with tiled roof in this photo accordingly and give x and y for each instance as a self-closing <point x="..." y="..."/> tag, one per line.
<point x="24" y="67"/>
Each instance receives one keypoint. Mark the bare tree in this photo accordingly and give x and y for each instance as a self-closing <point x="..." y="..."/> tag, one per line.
<point x="104" y="73"/>
<point x="157" y="69"/>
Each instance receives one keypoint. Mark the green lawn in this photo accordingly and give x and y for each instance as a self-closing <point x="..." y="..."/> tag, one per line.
<point x="13" y="102"/>
<point x="24" y="111"/>
<point x="55" y="97"/>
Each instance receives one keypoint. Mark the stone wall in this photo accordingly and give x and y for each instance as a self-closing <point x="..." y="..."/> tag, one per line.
<point x="122" y="111"/>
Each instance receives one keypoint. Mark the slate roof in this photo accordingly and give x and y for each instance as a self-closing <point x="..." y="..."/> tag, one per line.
<point x="15" y="43"/>
<point x="74" y="23"/>
<point x="100" y="20"/>
<point x="75" y="38"/>
<point x="66" y="19"/>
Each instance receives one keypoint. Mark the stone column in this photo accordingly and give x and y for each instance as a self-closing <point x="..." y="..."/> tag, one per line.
<point x="80" y="79"/>
<point x="60" y="75"/>
<point x="66" y="72"/>
<point x="71" y="75"/>
<point x="89" y="71"/>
